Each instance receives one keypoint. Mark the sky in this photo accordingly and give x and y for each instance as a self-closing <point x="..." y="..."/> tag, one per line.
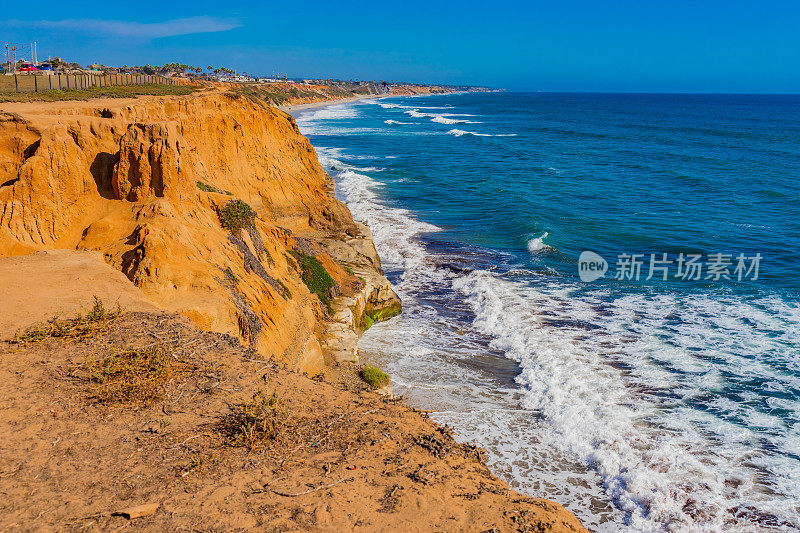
<point x="559" y="45"/>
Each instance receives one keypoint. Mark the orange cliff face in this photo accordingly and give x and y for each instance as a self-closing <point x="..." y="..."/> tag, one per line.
<point x="142" y="181"/>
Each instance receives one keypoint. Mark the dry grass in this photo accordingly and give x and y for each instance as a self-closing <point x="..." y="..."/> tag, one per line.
<point x="134" y="375"/>
<point x="252" y="423"/>
<point x="115" y="91"/>
<point x="78" y="326"/>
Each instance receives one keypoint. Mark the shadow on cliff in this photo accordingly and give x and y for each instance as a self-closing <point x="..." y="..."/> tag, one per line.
<point x="102" y="169"/>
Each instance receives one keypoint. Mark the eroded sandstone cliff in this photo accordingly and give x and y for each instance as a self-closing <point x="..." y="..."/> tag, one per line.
<point x="144" y="181"/>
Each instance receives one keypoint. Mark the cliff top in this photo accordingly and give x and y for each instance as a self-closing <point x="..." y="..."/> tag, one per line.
<point x="79" y="445"/>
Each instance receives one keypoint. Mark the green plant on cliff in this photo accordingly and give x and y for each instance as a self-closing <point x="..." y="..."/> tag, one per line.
<point x="374" y="376"/>
<point x="236" y="216"/>
<point x="368" y="319"/>
<point x="205" y="187"/>
<point x="315" y="277"/>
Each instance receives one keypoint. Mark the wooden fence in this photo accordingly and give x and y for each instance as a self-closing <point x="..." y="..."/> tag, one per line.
<point x="22" y="83"/>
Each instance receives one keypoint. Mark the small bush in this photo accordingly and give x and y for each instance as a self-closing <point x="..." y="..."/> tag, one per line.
<point x="75" y="327"/>
<point x="374" y="376"/>
<point x="252" y="423"/>
<point x="315" y="277"/>
<point x="134" y="375"/>
<point x="236" y="216"/>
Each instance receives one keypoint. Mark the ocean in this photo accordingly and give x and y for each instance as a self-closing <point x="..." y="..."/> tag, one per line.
<point x="600" y="290"/>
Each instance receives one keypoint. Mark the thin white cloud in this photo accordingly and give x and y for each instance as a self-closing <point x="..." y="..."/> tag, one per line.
<point x="140" y="30"/>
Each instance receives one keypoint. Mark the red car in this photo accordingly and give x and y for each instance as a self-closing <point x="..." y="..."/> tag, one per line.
<point x="27" y="67"/>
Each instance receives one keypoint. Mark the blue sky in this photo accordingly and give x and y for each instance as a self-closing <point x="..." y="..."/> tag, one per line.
<point x="567" y="45"/>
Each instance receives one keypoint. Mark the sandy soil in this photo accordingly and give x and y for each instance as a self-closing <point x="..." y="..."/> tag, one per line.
<point x="61" y="283"/>
<point x="346" y="458"/>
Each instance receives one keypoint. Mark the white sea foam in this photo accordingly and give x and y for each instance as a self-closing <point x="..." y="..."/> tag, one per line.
<point x="390" y="121"/>
<point x="441" y="119"/>
<point x="323" y="121"/>
<point x="459" y="133"/>
<point x="537" y="244"/>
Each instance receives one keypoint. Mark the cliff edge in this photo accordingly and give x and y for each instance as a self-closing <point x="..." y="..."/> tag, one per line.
<point x="213" y="204"/>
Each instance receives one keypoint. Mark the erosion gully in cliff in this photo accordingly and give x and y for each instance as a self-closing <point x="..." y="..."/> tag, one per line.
<point x="143" y="181"/>
<point x="215" y="207"/>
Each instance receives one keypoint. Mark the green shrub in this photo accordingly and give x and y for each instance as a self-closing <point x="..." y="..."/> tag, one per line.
<point x="315" y="277"/>
<point x="235" y="216"/>
<point x="207" y="188"/>
<point x="374" y="376"/>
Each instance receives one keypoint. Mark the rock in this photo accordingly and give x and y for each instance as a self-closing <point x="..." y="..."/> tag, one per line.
<point x="138" y="511"/>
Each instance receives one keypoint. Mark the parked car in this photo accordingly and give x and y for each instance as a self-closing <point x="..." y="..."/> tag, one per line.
<point x="27" y="67"/>
<point x="45" y="66"/>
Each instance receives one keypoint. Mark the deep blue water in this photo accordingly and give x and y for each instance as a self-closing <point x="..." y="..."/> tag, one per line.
<point x="637" y="403"/>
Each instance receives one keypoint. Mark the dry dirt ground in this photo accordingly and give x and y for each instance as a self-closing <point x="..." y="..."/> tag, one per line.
<point x="345" y="458"/>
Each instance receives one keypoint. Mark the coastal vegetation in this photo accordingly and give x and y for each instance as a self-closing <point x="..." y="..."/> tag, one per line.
<point x="253" y="422"/>
<point x="374" y="376"/>
<point x="284" y="93"/>
<point x="133" y="375"/>
<point x="205" y="187"/>
<point x="315" y="277"/>
<point x="77" y="326"/>
<point x="112" y="91"/>
<point x="384" y="313"/>
<point x="235" y="216"/>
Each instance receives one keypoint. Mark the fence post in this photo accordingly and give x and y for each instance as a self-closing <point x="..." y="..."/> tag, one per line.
<point x="50" y="81"/>
<point x="16" y="83"/>
<point x="35" y="83"/>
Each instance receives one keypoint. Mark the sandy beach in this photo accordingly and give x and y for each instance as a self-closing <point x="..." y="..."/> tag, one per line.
<point x="300" y="107"/>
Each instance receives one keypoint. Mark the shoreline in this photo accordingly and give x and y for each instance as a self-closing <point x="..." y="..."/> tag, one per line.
<point x="299" y="107"/>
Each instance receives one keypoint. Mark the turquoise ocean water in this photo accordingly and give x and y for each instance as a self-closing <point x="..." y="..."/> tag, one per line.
<point x="640" y="404"/>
